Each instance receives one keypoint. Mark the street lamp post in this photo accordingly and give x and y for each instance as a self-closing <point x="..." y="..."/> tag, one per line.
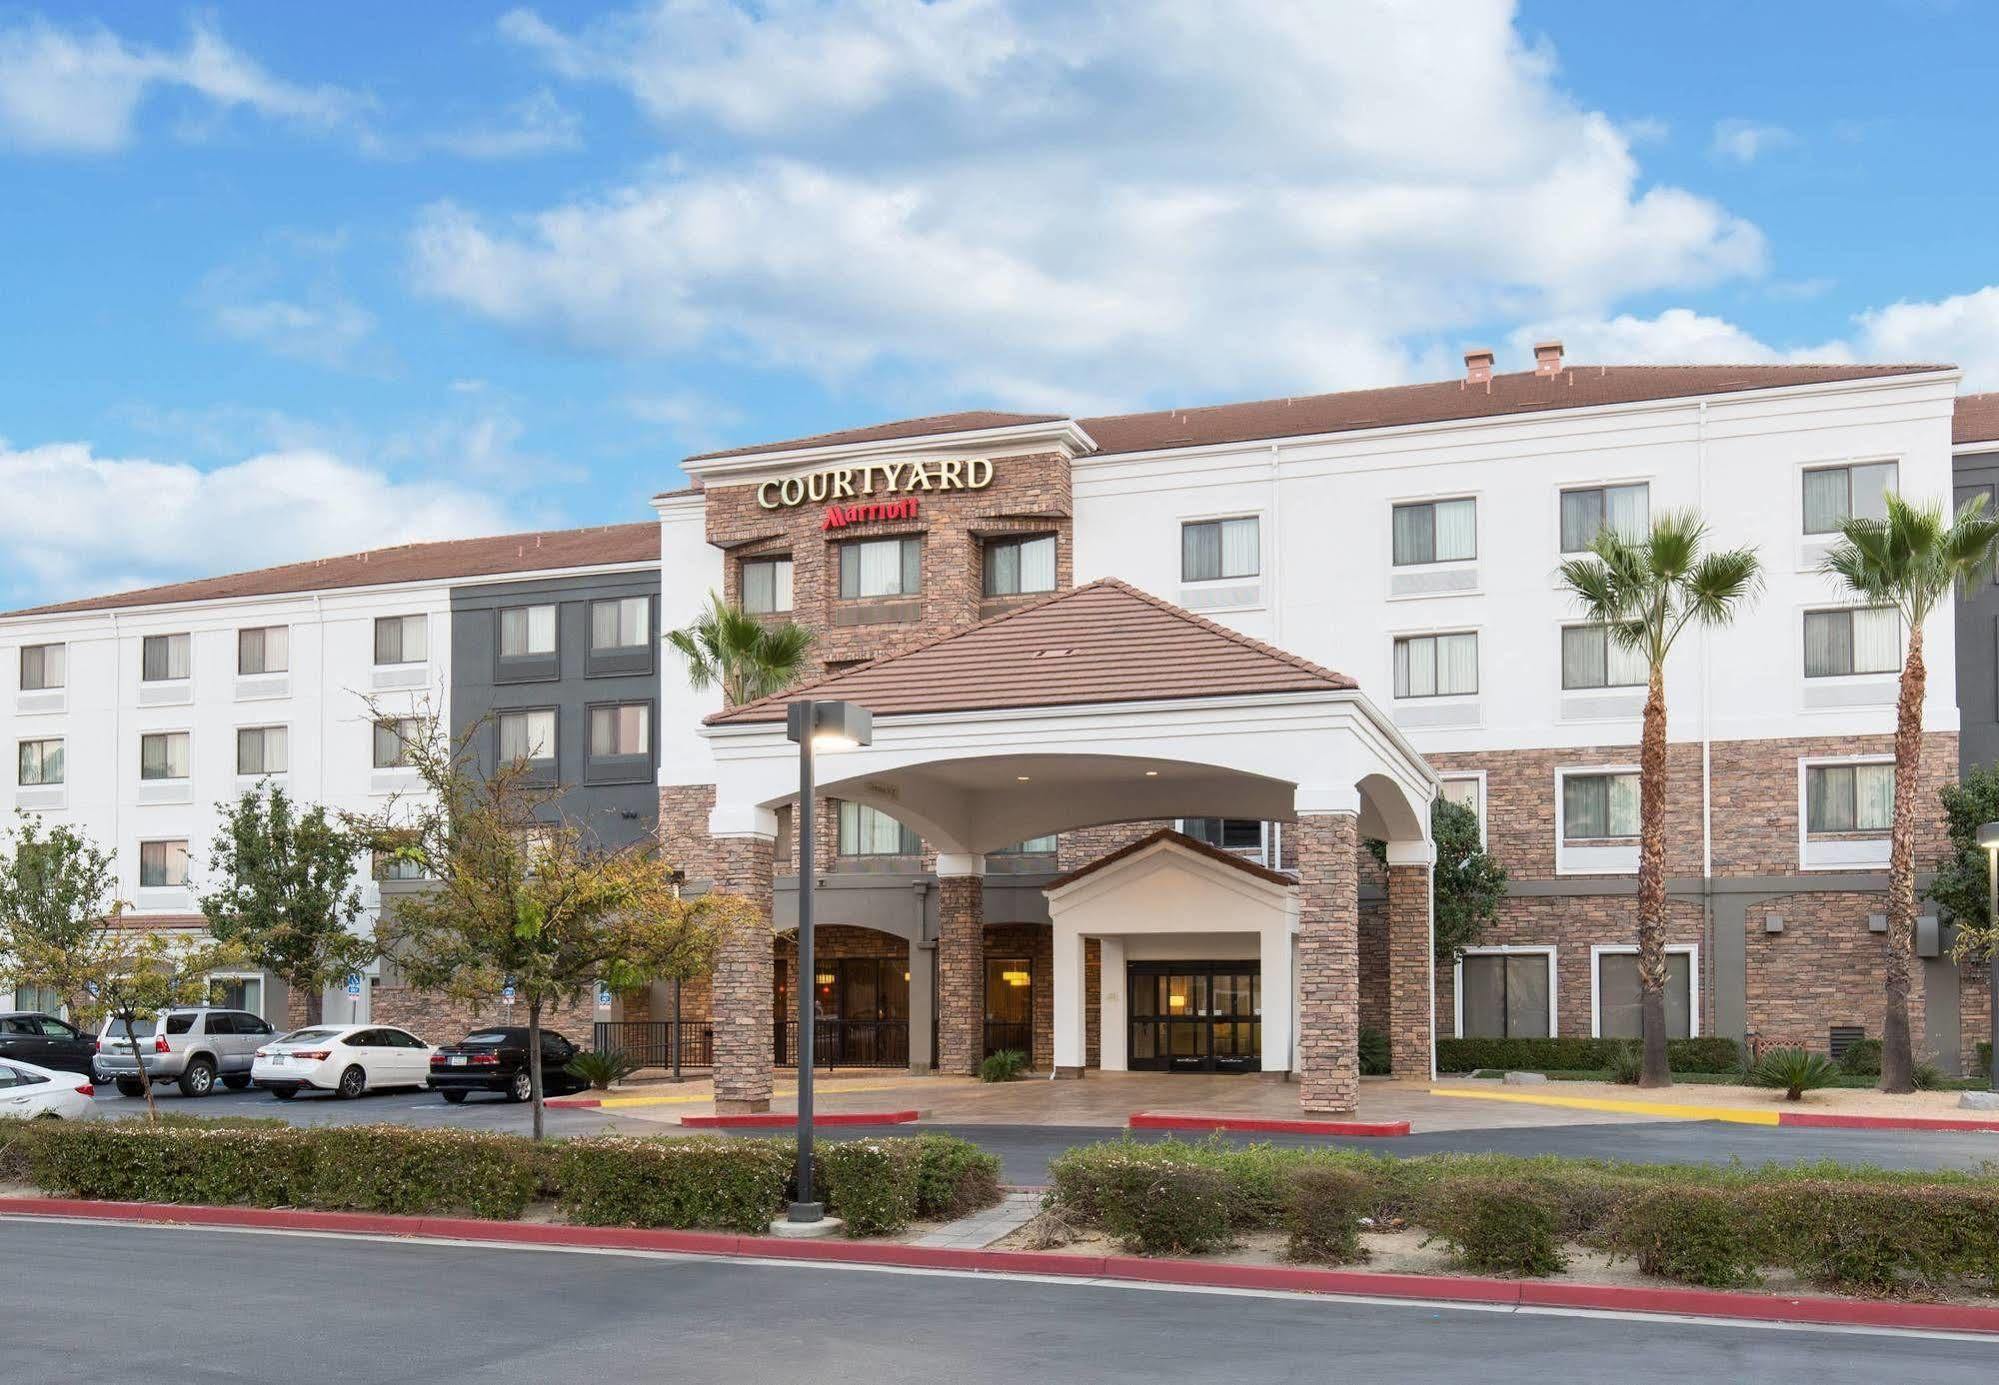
<point x="814" y="726"/>
<point x="1988" y="837"/>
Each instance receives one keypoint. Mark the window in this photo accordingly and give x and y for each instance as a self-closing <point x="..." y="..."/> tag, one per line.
<point x="622" y="730"/>
<point x="767" y="585"/>
<point x="881" y="567"/>
<point x="1835" y="494"/>
<point x="1033" y="846"/>
<point x="1464" y="792"/>
<point x="866" y="831"/>
<point x="1849" y="798"/>
<point x="1506" y="995"/>
<point x="163" y="755"/>
<point x="1587" y="513"/>
<point x="1592" y="659"/>
<point x="1618" y="994"/>
<point x="163" y="658"/>
<point x="401" y="639"/>
<point x="1017" y="566"/>
<point x="622" y="624"/>
<point x="37" y="998"/>
<point x="162" y="865"/>
<point x="1862" y="639"/>
<point x="1243" y="836"/>
<point x="40" y="763"/>
<point x="239" y="993"/>
<point x="1437" y="531"/>
<point x="263" y="650"/>
<point x="527" y="630"/>
<point x="393" y="738"/>
<point x="527" y="735"/>
<point x="1599" y="805"/>
<point x="41" y="667"/>
<point x="262" y="750"/>
<point x="1436" y="665"/>
<point x="1216" y="548"/>
<point x="387" y="864"/>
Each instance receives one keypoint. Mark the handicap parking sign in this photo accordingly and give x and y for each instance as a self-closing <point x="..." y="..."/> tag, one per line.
<point x="507" y="993"/>
<point x="354" y="983"/>
<point x="604" y="996"/>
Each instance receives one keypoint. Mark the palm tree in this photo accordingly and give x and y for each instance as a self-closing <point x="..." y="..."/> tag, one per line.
<point x="1644" y="592"/>
<point x="746" y="657"/>
<point x="1910" y="561"/>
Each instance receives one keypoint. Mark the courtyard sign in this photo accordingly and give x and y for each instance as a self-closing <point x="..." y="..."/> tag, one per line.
<point x="887" y="478"/>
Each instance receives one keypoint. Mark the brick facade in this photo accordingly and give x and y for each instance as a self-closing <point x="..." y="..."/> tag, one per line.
<point x="742" y="983"/>
<point x="1824" y="969"/>
<point x="961" y="973"/>
<point x="1328" y="962"/>
<point x="1408" y="969"/>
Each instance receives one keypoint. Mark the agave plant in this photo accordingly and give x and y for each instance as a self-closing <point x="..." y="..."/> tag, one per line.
<point x="1795" y="1070"/>
<point x="603" y="1070"/>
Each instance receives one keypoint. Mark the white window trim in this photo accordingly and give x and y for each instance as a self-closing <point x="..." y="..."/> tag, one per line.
<point x="1562" y="852"/>
<point x="13" y="656"/>
<point x="139" y="866"/>
<point x="255" y="976"/>
<point x="1811" y="548"/>
<point x="1692" y="952"/>
<point x="187" y="731"/>
<point x="1424" y="632"/>
<point x="1477" y="499"/>
<point x="1892" y="675"/>
<point x="1651" y="483"/>
<point x="243" y="777"/>
<point x="423" y="616"/>
<point x="1262" y="573"/>
<point x="1268" y="854"/>
<point x="1809" y="762"/>
<point x="1477" y="775"/>
<point x="1507" y="950"/>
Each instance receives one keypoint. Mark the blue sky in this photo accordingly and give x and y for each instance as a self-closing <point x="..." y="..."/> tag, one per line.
<point x="280" y="281"/>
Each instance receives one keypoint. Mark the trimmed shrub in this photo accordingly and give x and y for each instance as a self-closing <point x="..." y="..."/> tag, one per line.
<point x="1253" y="1177"/>
<point x="1322" y="1211"/>
<point x="1375" y="1057"/>
<point x="686" y="1182"/>
<point x="1862" y="1058"/>
<point x="1168" y="1209"/>
<point x="1500" y="1226"/>
<point x="1003" y="1066"/>
<point x="954" y="1177"/>
<point x="1872" y="1238"/>
<point x="1704" y="1236"/>
<point x="871" y="1184"/>
<point x="1794" y="1071"/>
<point x="408" y="1171"/>
<point x="1707" y="1054"/>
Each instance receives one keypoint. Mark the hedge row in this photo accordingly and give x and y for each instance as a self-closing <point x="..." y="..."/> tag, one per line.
<point x="1580" y="1055"/>
<point x="878" y="1186"/>
<point x="1860" y="1230"/>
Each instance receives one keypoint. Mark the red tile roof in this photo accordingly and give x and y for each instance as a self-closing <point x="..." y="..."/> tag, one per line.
<point x="934" y="425"/>
<point x="607" y="545"/>
<point x="1976" y="419"/>
<point x="1180" y="839"/>
<point x="1105" y="642"/>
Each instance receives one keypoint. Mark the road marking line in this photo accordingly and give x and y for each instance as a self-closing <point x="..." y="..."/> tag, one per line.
<point x="1739" y="1115"/>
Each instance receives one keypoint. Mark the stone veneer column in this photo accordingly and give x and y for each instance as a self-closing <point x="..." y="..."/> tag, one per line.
<point x="1410" y="977"/>
<point x="741" y="1003"/>
<point x="961" y="962"/>
<point x="1328" y="962"/>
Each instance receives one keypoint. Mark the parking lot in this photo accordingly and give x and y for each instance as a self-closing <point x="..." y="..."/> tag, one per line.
<point x="478" y="1112"/>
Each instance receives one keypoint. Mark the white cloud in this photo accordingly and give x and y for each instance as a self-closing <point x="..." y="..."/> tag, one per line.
<point x="539" y="125"/>
<point x="1963" y="329"/>
<point x="76" y="91"/>
<point x="104" y="523"/>
<point x="1677" y="336"/>
<point x="1025" y="203"/>
<point x="1745" y="141"/>
<point x="326" y="333"/>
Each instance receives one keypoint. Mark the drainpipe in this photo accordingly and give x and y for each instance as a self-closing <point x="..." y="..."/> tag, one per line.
<point x="1276" y="554"/>
<point x="1707" y="736"/>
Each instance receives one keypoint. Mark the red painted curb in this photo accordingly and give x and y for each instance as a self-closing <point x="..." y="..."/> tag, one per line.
<point x="1829" y="1121"/>
<point x="1707" y="1303"/>
<point x="1153" y="1120"/>
<point x="779" y="1120"/>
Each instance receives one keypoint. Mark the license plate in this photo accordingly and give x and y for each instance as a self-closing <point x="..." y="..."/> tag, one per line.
<point x="278" y="1060"/>
<point x="457" y="1062"/>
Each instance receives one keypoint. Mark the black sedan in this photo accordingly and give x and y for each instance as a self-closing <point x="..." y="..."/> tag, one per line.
<point x="45" y="1041"/>
<point x="496" y="1060"/>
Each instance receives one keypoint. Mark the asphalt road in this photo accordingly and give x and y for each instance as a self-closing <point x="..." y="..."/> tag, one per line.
<point x="215" y="1306"/>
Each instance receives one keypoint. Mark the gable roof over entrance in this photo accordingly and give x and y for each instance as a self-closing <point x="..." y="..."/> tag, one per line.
<point x="1101" y="643"/>
<point x="1167" y="836"/>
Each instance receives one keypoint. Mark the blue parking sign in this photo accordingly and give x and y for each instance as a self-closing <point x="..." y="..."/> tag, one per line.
<point x="354" y="983"/>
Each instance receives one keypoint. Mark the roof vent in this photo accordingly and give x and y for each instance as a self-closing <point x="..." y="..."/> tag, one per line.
<point x="1052" y="653"/>
<point x="1547" y="358"/>
<point x="1478" y="366"/>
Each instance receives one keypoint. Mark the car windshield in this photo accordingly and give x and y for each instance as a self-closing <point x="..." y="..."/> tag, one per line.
<point x="491" y="1038"/>
<point x="141" y="1028"/>
<point x="310" y="1036"/>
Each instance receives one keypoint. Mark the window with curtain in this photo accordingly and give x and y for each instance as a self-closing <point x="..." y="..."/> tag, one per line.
<point x="387" y="865"/>
<point x="1849" y="798"/>
<point x="1618" y="1014"/>
<point x="1460" y="791"/>
<point x="527" y="735"/>
<point x="237" y="993"/>
<point x="38" y="1000"/>
<point x="1436" y="531"/>
<point x="39" y="763"/>
<point x="1436" y="665"/>
<point x="625" y="623"/>
<point x="881" y="567"/>
<point x="266" y="649"/>
<point x="163" y="755"/>
<point x="162" y="865"/>
<point x="527" y="630"/>
<point x="1212" y="549"/>
<point x="1835" y="494"/>
<point x="1016" y="566"/>
<point x="164" y="658"/>
<point x="1592" y="659"/>
<point x="1033" y="846"/>
<point x="262" y="750"/>
<point x="866" y="831"/>
<point x="1587" y="511"/>
<point x="1856" y="639"/>
<point x="401" y="639"/>
<point x="393" y="738"/>
<point x="621" y="730"/>
<point x="766" y="585"/>
<point x="1505" y="995"/>
<point x="1596" y="806"/>
<point x="1242" y="835"/>
<point x="42" y="667"/>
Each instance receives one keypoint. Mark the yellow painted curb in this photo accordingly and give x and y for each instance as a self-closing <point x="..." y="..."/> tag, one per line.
<point x="1672" y="1110"/>
<point x="619" y="1103"/>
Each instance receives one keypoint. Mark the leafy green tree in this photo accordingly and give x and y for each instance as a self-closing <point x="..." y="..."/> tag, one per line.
<point x="1467" y="883"/>
<point x="747" y="657"/>
<point x="283" y="891"/>
<point x="1645" y="592"/>
<point x="139" y="972"/>
<point x="1961" y="886"/>
<point x="1910" y="560"/>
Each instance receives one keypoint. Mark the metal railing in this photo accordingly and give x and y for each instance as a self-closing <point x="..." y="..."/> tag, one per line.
<point x="650" y="1043"/>
<point x="838" y="1043"/>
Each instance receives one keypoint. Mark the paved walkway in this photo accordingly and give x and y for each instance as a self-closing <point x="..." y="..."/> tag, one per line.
<point x="981" y="1229"/>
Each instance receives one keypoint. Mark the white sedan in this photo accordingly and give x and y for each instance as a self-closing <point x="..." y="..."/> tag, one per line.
<point x="346" y="1059"/>
<point x="28" y="1091"/>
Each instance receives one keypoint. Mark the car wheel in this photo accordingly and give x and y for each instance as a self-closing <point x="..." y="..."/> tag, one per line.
<point x="453" y="1097"/>
<point x="131" y="1086"/>
<point x="283" y="1093"/>
<point x="236" y="1081"/>
<point x="353" y="1082"/>
<point x="520" y="1088"/>
<point x="198" y="1079"/>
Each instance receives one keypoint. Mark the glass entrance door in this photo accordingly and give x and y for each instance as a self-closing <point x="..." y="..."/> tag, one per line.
<point x="1195" y="1017"/>
<point x="1010" y="1005"/>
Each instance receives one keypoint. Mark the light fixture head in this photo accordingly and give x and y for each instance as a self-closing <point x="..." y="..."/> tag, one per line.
<point x="1988" y="835"/>
<point x="1020" y="778"/>
<point x="831" y="725"/>
<point x="1152" y="774"/>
